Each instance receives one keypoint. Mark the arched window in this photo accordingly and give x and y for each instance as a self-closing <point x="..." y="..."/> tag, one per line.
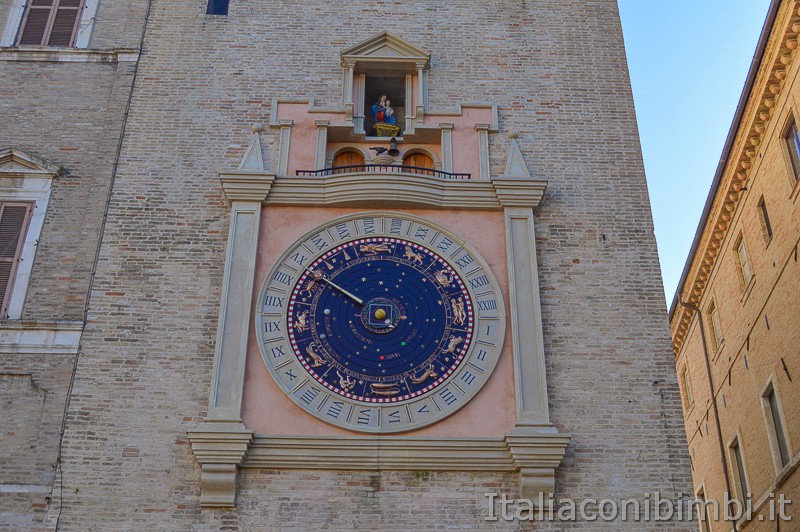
<point x="347" y="158"/>
<point x="419" y="160"/>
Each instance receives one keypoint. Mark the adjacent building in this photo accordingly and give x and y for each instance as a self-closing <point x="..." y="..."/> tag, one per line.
<point x="734" y="319"/>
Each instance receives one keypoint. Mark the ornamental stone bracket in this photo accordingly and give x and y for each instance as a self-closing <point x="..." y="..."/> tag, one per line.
<point x="537" y="452"/>
<point x="219" y="446"/>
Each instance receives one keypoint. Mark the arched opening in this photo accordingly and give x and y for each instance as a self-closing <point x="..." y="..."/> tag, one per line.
<point x="347" y="158"/>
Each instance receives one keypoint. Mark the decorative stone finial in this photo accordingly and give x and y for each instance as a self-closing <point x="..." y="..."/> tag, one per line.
<point x="512" y="134"/>
<point x="257" y="128"/>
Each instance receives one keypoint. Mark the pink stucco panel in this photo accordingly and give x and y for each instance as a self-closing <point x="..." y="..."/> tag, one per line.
<point x="265" y="408"/>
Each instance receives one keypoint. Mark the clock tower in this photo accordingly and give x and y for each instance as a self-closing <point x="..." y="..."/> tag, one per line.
<point x="365" y="263"/>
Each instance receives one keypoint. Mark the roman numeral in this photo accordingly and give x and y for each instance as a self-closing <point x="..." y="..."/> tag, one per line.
<point x="395" y="227"/>
<point x="394" y="417"/>
<point x="277" y="352"/>
<point x="342" y="231"/>
<point x="423" y="410"/>
<point x="482" y="355"/>
<point x="444" y="245"/>
<point x="468" y="377"/>
<point x="319" y="242"/>
<point x="422" y="232"/>
<point x="448" y="396"/>
<point x="363" y="417"/>
<point x="289" y="373"/>
<point x="272" y="326"/>
<point x="309" y="395"/>
<point x="299" y="259"/>
<point x="335" y="409"/>
<point x="284" y="278"/>
<point x="369" y="226"/>
<point x="464" y="261"/>
<point x="487" y="305"/>
<point x="478" y="282"/>
<point x="272" y="301"/>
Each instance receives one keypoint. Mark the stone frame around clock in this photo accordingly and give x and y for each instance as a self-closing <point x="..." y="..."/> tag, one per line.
<point x="222" y="444"/>
<point x="482" y="355"/>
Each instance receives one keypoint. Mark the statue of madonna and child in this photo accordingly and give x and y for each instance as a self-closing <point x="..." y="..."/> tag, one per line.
<point x="385" y="119"/>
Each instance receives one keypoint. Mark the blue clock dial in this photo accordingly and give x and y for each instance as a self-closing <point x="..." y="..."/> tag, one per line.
<point x="380" y="320"/>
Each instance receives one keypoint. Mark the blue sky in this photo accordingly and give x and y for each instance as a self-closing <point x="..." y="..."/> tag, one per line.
<point x="688" y="62"/>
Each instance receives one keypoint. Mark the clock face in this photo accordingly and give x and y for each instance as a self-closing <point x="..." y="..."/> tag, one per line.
<point x="380" y="323"/>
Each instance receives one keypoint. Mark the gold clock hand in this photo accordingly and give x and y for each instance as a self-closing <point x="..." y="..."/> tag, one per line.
<point x="343" y="291"/>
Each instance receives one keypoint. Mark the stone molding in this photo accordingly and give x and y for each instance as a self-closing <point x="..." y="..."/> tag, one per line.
<point x="40" y="337"/>
<point x="67" y="55"/>
<point x="744" y="155"/>
<point x="246" y="185"/>
<point x="219" y="447"/>
<point x="376" y="189"/>
<point x="369" y="452"/>
<point x="535" y="453"/>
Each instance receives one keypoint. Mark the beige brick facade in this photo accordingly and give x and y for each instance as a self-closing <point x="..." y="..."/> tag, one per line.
<point x="559" y="79"/>
<point x="752" y="346"/>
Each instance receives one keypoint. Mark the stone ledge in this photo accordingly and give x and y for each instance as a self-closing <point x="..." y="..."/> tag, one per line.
<point x="382" y="190"/>
<point x="377" y="453"/>
<point x="67" y="55"/>
<point x="40" y="337"/>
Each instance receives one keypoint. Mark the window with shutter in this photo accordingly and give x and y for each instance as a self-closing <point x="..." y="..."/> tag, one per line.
<point x="51" y="22"/>
<point x="14" y="219"/>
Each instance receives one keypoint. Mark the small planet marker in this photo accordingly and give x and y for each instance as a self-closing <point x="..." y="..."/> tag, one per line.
<point x="327" y="311"/>
<point x="403" y="344"/>
<point x="380" y="314"/>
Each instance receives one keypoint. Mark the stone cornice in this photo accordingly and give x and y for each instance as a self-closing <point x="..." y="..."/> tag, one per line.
<point x="376" y="189"/>
<point x="246" y="185"/>
<point x="67" y="55"/>
<point x="380" y="453"/>
<point x="759" y="110"/>
<point x="52" y="337"/>
<point x="515" y="452"/>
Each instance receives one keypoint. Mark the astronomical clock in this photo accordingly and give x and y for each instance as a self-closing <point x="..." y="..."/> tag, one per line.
<point x="380" y="299"/>
<point x="380" y="322"/>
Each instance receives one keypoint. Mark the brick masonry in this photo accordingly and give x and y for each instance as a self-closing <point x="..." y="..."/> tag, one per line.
<point x="761" y="339"/>
<point x="558" y="74"/>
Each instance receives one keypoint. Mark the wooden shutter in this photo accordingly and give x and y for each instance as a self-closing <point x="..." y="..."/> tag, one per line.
<point x="420" y="160"/>
<point x="348" y="158"/>
<point x="51" y="22"/>
<point x="14" y="218"/>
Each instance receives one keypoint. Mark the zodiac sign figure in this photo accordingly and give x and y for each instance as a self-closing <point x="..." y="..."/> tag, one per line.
<point x="301" y="322"/>
<point x="384" y="389"/>
<point x="316" y="277"/>
<point x="444" y="278"/>
<point x="411" y="255"/>
<point x="374" y="249"/>
<point x="318" y="360"/>
<point x="451" y="346"/>
<point x="345" y="383"/>
<point x="459" y="314"/>
<point x="429" y="373"/>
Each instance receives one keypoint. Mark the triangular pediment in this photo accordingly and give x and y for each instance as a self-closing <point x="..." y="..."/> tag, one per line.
<point x="16" y="161"/>
<point x="386" y="46"/>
